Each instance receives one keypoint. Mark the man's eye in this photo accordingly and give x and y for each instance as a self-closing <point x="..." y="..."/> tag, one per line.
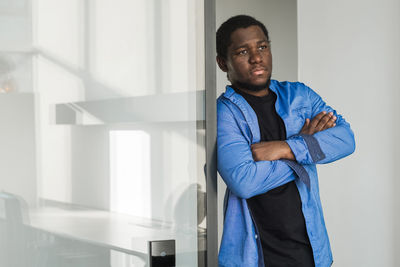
<point x="242" y="52"/>
<point x="262" y="47"/>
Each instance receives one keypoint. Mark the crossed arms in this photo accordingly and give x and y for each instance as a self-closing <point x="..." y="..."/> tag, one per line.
<point x="275" y="150"/>
<point x="253" y="170"/>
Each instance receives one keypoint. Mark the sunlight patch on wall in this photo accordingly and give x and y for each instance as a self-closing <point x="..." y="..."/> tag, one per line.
<point x="130" y="185"/>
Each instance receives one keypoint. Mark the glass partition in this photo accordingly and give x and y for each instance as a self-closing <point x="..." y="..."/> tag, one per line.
<point x="103" y="133"/>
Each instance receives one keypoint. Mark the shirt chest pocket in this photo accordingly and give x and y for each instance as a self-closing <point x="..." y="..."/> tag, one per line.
<point x="295" y="120"/>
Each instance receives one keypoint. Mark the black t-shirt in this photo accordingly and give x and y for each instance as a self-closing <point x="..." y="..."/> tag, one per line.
<point x="277" y="213"/>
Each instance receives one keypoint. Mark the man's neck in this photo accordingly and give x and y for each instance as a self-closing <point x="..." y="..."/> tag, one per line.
<point x="260" y="93"/>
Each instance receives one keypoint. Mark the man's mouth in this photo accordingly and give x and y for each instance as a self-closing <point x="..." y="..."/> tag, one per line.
<point x="257" y="71"/>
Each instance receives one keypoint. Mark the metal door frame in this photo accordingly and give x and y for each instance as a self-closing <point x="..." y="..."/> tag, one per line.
<point x="211" y="133"/>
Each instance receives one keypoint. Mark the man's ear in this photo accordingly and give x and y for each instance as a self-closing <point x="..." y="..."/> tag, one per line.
<point x="222" y="64"/>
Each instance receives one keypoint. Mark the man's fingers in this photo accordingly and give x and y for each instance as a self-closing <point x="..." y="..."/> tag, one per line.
<point x="323" y="121"/>
<point x="316" y="119"/>
<point x="331" y="123"/>
<point x="326" y="122"/>
<point x="320" y="122"/>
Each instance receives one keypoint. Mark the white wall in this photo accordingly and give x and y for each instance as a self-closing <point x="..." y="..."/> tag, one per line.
<point x="349" y="53"/>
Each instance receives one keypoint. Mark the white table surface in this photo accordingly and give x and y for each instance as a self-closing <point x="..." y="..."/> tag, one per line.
<point x="115" y="231"/>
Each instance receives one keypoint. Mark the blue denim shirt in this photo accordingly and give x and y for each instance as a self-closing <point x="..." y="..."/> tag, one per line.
<point x="237" y="130"/>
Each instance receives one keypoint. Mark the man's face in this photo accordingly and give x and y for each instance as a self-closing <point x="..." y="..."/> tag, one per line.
<point x="249" y="60"/>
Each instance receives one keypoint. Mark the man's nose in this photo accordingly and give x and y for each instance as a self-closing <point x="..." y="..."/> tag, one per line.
<point x="255" y="56"/>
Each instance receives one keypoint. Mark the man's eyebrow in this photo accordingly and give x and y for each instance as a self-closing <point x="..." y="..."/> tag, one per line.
<point x="262" y="41"/>
<point x="245" y="45"/>
<point x="241" y="46"/>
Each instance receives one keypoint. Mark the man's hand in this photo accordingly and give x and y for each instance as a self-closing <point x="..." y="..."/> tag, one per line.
<point x="319" y="123"/>
<point x="272" y="150"/>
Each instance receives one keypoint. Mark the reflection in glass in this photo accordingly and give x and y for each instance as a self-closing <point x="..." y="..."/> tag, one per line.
<point x="104" y="150"/>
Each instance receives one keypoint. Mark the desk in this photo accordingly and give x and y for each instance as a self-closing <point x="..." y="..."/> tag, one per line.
<point x="119" y="232"/>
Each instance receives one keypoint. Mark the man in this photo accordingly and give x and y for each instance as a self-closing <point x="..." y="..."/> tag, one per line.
<point x="271" y="135"/>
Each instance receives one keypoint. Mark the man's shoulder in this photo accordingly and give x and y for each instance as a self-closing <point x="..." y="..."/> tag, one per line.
<point x="288" y="85"/>
<point x="287" y="88"/>
<point x="227" y="93"/>
<point x="221" y="100"/>
<point x="230" y="104"/>
<point x="227" y="97"/>
<point x="223" y="104"/>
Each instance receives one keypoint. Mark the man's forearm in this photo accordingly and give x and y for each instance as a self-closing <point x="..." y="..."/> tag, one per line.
<point x="287" y="152"/>
<point x="272" y="150"/>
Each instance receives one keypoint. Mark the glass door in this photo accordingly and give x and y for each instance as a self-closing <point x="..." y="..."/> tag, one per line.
<point x="108" y="133"/>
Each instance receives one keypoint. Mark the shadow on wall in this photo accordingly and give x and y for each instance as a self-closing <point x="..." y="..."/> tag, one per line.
<point x="191" y="192"/>
<point x="83" y="74"/>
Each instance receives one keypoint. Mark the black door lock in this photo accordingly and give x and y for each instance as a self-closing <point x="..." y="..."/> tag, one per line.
<point x="162" y="253"/>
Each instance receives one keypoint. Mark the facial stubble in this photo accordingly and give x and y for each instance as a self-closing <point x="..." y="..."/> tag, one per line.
<point x="253" y="87"/>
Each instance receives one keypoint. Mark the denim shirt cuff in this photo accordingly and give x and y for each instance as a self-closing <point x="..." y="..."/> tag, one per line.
<point x="299" y="170"/>
<point x="313" y="147"/>
<point x="306" y="148"/>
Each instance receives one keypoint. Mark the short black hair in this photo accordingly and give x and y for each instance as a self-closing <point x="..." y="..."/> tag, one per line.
<point x="232" y="24"/>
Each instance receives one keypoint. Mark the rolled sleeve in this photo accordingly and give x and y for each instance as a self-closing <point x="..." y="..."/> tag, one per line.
<point x="306" y="149"/>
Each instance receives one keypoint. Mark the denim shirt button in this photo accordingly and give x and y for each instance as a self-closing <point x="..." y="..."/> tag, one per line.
<point x="256" y="236"/>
